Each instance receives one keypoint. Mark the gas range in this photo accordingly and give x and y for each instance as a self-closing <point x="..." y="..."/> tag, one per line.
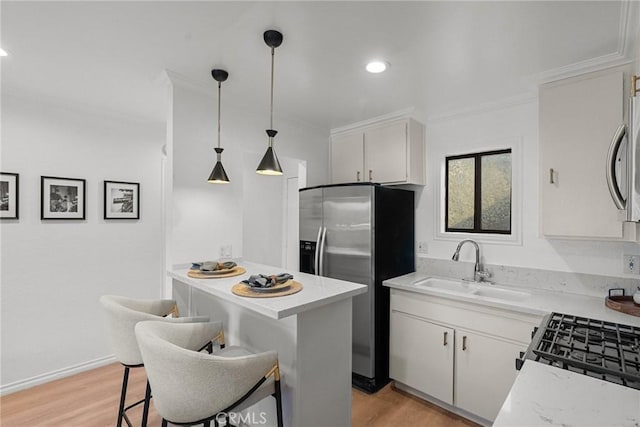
<point x="604" y="350"/>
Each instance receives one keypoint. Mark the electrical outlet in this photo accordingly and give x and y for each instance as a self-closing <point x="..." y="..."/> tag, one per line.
<point x="631" y="264"/>
<point x="422" y="247"/>
<point x="225" y="251"/>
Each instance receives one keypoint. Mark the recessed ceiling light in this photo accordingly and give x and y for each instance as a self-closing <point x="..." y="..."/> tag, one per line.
<point x="3" y="52"/>
<point x="377" y="66"/>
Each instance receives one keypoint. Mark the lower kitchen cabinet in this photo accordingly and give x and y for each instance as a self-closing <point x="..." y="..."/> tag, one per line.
<point x="460" y="353"/>
<point x="484" y="372"/>
<point x="421" y="355"/>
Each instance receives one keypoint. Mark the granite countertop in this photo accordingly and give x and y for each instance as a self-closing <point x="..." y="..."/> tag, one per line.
<point x="540" y="302"/>
<point x="317" y="291"/>
<point x="544" y="395"/>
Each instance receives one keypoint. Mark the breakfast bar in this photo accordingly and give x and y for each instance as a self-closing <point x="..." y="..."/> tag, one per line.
<point x="310" y="330"/>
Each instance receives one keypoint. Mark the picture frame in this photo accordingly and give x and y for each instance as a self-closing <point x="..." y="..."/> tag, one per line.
<point x="121" y="200"/>
<point x="62" y="198"/>
<point x="9" y="195"/>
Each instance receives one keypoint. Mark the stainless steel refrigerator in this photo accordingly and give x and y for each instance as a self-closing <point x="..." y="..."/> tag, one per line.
<point x="362" y="233"/>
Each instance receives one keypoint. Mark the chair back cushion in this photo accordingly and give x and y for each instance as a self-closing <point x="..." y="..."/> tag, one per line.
<point x="187" y="385"/>
<point x="121" y="316"/>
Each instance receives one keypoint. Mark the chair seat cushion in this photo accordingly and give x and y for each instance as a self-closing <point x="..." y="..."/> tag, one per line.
<point x="232" y="351"/>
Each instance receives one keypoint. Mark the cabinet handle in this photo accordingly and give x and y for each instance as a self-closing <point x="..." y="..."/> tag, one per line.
<point x="358" y="176"/>
<point x="551" y="181"/>
<point x="370" y="175"/>
<point x="444" y="342"/>
<point x="464" y="343"/>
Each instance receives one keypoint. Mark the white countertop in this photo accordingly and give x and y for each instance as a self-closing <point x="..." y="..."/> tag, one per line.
<point x="317" y="291"/>
<point x="539" y="303"/>
<point x="544" y="395"/>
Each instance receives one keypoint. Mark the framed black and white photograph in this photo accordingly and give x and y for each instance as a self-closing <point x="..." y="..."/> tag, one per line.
<point x="62" y="198"/>
<point x="8" y="195"/>
<point x="121" y="200"/>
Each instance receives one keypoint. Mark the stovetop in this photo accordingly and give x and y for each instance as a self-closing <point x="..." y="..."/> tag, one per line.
<point x="599" y="349"/>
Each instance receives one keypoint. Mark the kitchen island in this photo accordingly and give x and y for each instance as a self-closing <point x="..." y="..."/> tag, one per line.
<point x="310" y="330"/>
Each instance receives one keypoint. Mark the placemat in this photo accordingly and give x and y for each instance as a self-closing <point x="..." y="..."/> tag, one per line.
<point x="197" y="274"/>
<point x="243" y="290"/>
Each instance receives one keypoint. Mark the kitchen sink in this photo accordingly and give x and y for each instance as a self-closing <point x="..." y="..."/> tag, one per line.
<point x="504" y="294"/>
<point x="448" y="285"/>
<point x="473" y="288"/>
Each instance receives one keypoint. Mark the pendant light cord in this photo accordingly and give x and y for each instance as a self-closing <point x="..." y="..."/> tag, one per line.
<point x="219" y="91"/>
<point x="272" y="61"/>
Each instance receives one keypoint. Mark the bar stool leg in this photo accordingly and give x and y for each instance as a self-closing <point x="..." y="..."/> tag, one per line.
<point x="279" y="403"/>
<point x="145" y="411"/>
<point x="123" y="395"/>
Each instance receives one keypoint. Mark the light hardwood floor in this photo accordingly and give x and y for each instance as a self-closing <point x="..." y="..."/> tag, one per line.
<point x="90" y="399"/>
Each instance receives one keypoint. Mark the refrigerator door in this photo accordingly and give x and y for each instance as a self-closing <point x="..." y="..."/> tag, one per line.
<point x="348" y="255"/>
<point x="310" y="229"/>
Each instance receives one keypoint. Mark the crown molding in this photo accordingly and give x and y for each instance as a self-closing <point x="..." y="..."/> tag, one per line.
<point x="622" y="55"/>
<point x="171" y="78"/>
<point x="486" y="107"/>
<point x="401" y="114"/>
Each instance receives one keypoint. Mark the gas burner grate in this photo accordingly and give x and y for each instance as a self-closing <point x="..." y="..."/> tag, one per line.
<point x="597" y="348"/>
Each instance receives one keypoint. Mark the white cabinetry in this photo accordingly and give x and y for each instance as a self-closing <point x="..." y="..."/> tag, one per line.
<point x="578" y="118"/>
<point x="458" y="353"/>
<point x="483" y="364"/>
<point x="421" y="355"/>
<point x="390" y="152"/>
<point x="347" y="162"/>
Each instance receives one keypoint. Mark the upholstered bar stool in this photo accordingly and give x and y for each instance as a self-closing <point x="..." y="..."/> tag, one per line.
<point x="122" y="315"/>
<point x="196" y="388"/>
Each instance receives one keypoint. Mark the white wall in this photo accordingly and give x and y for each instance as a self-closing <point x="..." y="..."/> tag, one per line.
<point x="53" y="272"/>
<point x="207" y="216"/>
<point x="472" y="131"/>
<point x="264" y="211"/>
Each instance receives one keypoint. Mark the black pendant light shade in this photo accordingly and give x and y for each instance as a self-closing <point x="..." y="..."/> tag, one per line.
<point x="218" y="174"/>
<point x="269" y="165"/>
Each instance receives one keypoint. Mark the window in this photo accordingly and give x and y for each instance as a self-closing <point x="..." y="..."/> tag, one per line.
<point x="478" y="193"/>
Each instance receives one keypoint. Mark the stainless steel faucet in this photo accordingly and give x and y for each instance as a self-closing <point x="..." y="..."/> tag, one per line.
<point x="479" y="275"/>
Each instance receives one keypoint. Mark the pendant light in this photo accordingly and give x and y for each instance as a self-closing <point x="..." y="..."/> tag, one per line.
<point x="218" y="174"/>
<point x="269" y="165"/>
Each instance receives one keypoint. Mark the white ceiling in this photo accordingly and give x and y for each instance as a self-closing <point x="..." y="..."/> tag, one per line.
<point x="445" y="56"/>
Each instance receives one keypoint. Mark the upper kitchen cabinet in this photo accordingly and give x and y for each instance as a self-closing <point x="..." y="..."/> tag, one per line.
<point x="578" y="118"/>
<point x="347" y="161"/>
<point x="389" y="152"/>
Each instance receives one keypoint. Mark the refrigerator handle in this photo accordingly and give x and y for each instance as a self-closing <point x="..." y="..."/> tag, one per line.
<point x="612" y="182"/>
<point x="323" y="240"/>
<point x="316" y="263"/>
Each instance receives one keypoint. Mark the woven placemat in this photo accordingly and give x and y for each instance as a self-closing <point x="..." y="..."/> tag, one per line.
<point x="243" y="290"/>
<point x="197" y="274"/>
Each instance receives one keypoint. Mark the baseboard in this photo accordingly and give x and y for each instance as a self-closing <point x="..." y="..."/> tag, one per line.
<point x="444" y="405"/>
<point x="55" y="375"/>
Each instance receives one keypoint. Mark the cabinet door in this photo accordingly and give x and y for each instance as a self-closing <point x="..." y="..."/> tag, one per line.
<point x="385" y="153"/>
<point x="485" y="372"/>
<point x="347" y="158"/>
<point x="421" y="355"/>
<point x="577" y="122"/>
